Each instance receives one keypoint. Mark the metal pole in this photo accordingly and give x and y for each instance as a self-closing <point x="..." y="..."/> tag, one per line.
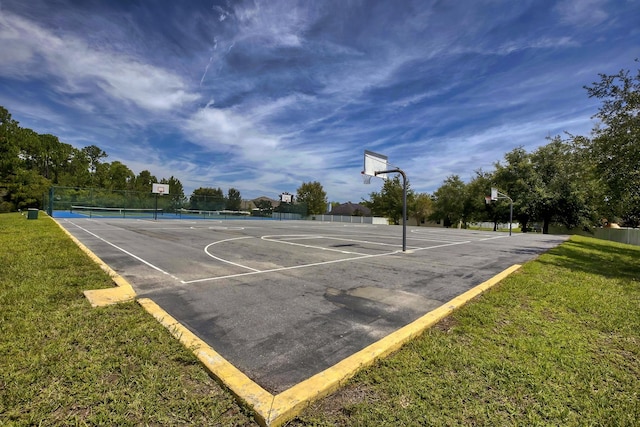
<point x="51" y="195"/>
<point x="500" y="195"/>
<point x="510" y="215"/>
<point x="404" y="204"/>
<point x="404" y="211"/>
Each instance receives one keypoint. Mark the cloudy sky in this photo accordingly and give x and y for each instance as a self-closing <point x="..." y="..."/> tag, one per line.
<point x="263" y="95"/>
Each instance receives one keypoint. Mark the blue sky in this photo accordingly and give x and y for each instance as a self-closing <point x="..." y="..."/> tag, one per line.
<point x="265" y="95"/>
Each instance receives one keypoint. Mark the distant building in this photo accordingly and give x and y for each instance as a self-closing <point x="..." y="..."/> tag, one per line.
<point x="350" y="209"/>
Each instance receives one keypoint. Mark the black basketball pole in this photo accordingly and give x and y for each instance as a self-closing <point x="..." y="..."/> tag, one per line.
<point x="404" y="204"/>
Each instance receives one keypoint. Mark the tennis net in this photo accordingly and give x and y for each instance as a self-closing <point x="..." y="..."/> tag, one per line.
<point x="102" y="212"/>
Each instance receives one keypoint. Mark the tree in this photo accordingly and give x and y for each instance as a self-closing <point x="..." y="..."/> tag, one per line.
<point x="234" y="200"/>
<point x="558" y="196"/>
<point x="313" y="196"/>
<point x="477" y="191"/>
<point x="76" y="171"/>
<point x="114" y="176"/>
<point x="207" y="199"/>
<point x="264" y="206"/>
<point x="449" y="201"/>
<point x="475" y="207"/>
<point x="27" y="189"/>
<point x="389" y="201"/>
<point x="517" y="179"/>
<point x="9" y="149"/>
<point x="615" y="145"/>
<point x="421" y="208"/>
<point x="93" y="154"/>
<point x="144" y="182"/>
<point x="176" y="194"/>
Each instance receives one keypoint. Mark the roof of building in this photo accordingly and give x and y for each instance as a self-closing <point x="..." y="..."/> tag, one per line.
<point x="350" y="209"/>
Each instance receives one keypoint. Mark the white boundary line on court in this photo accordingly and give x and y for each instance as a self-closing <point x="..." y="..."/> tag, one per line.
<point x="270" y="238"/>
<point x="125" y="251"/>
<point x="315" y="264"/>
<point x="301" y="237"/>
<point x="206" y="251"/>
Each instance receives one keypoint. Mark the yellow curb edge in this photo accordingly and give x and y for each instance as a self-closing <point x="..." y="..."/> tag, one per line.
<point x="101" y="297"/>
<point x="291" y="402"/>
<point x="258" y="399"/>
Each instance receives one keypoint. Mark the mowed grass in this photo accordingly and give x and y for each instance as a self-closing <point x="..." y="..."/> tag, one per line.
<point x="558" y="343"/>
<point x="65" y="363"/>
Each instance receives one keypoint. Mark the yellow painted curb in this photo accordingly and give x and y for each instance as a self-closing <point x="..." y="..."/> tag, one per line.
<point x="273" y="411"/>
<point x="291" y="402"/>
<point x="100" y="297"/>
<point x="240" y="385"/>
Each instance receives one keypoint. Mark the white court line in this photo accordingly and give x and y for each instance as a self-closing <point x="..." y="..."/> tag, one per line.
<point x="125" y="251"/>
<point x="369" y="242"/>
<point x="286" y="242"/>
<point x="290" y="237"/>
<point x="315" y="264"/>
<point x="206" y="251"/>
<point x="231" y="276"/>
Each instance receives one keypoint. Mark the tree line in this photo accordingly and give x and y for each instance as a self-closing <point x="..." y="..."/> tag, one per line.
<point x="31" y="163"/>
<point x="573" y="180"/>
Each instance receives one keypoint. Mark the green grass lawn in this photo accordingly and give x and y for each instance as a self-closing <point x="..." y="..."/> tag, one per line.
<point x="65" y="363"/>
<point x="558" y="343"/>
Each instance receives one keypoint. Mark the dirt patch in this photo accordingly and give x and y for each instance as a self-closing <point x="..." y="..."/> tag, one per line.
<point x="337" y="406"/>
<point x="446" y="325"/>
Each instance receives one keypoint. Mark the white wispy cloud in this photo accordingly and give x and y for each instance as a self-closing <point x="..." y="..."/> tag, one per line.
<point x="219" y="129"/>
<point x="34" y="51"/>
<point x="582" y="12"/>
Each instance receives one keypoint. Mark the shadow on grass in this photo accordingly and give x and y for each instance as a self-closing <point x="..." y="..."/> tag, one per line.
<point x="599" y="257"/>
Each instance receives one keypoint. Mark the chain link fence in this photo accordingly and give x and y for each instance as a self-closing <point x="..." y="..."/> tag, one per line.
<point x="96" y="203"/>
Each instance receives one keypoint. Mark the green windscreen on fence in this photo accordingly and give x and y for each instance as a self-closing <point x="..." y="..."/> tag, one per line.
<point x="104" y="203"/>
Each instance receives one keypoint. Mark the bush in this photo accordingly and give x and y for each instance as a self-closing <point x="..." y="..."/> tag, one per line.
<point x="6" y="207"/>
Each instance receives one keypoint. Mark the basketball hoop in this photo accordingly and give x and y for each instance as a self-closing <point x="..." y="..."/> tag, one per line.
<point x="488" y="199"/>
<point x="161" y="190"/>
<point x="366" y="179"/>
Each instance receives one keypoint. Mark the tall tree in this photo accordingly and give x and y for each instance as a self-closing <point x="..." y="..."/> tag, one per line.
<point x="208" y="199"/>
<point x="389" y="201"/>
<point x="313" y="196"/>
<point x="144" y="181"/>
<point x="516" y="178"/>
<point x="176" y="193"/>
<point x="76" y="171"/>
<point x="9" y="148"/>
<point x="558" y="196"/>
<point x="234" y="200"/>
<point x="94" y="154"/>
<point x="421" y="208"/>
<point x="475" y="206"/>
<point x="449" y="201"/>
<point x="616" y="142"/>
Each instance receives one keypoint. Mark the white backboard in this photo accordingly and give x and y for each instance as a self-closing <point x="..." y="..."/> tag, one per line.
<point x="286" y="198"/>
<point x="374" y="162"/>
<point x="161" y="189"/>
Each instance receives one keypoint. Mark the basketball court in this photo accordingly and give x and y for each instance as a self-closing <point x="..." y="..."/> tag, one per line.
<point x="284" y="300"/>
<point x="283" y="312"/>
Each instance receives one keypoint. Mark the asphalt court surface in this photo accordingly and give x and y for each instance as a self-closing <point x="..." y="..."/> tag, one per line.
<point x="284" y="300"/>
